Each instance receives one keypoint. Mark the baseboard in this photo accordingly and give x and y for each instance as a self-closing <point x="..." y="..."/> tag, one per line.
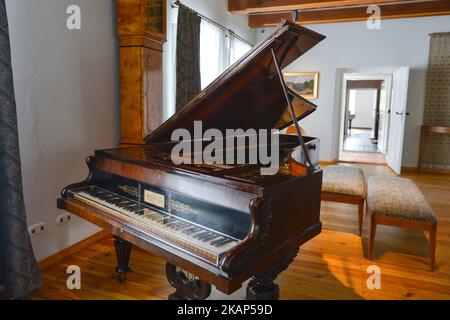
<point x="44" y="264"/>
<point x="328" y="163"/>
<point x="422" y="170"/>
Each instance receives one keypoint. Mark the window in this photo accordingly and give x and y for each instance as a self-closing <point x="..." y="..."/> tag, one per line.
<point x="218" y="51"/>
<point x="212" y="52"/>
<point x="238" y="50"/>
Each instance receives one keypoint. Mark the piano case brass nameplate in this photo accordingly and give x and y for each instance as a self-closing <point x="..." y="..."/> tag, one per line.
<point x="155" y="199"/>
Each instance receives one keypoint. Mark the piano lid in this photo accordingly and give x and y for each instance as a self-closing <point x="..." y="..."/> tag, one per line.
<point x="249" y="94"/>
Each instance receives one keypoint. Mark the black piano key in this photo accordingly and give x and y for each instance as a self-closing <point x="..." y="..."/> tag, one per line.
<point x="123" y="203"/>
<point x="218" y="242"/>
<point x="188" y="229"/>
<point x="178" y="226"/>
<point x="192" y="230"/>
<point x="172" y="224"/>
<point x="207" y="236"/>
<point x="224" y="242"/>
<point x="211" y="237"/>
<point x="132" y="207"/>
<point x="182" y="225"/>
<point x="165" y="220"/>
<point x="213" y="243"/>
<point x="200" y="234"/>
<point x="185" y="226"/>
<point x="197" y="231"/>
<point x="114" y="200"/>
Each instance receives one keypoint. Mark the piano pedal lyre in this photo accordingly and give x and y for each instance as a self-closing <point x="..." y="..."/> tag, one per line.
<point x="187" y="285"/>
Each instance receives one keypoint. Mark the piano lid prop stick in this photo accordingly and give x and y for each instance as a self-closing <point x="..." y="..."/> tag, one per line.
<point x="311" y="167"/>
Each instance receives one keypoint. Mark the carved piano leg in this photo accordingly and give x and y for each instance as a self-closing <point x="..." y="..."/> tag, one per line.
<point x="123" y="251"/>
<point x="262" y="286"/>
<point x="187" y="288"/>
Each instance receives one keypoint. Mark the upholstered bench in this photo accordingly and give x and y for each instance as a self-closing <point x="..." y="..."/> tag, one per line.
<point x="345" y="185"/>
<point x="398" y="202"/>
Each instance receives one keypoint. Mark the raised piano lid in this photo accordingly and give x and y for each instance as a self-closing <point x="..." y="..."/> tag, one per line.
<point x="249" y="94"/>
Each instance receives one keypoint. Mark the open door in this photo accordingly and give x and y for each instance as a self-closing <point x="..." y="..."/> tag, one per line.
<point x="383" y="116"/>
<point x="398" y="119"/>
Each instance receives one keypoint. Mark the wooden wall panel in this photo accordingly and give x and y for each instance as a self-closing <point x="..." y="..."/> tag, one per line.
<point x="131" y="101"/>
<point x="141" y="70"/>
<point x="153" y="86"/>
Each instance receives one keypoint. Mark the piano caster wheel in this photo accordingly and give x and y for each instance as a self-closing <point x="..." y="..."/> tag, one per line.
<point x="122" y="277"/>
<point x="261" y="287"/>
<point x="262" y="291"/>
<point x="187" y="287"/>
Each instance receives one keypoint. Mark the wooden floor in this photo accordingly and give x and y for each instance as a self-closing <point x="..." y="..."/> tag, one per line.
<point x="362" y="157"/>
<point x="359" y="140"/>
<point x="331" y="266"/>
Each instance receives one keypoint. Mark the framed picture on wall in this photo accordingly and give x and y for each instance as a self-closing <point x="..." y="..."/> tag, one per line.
<point x="305" y="84"/>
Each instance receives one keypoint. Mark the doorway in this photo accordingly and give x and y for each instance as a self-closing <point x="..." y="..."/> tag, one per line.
<point x="362" y="111"/>
<point x="365" y="108"/>
<point x="379" y="95"/>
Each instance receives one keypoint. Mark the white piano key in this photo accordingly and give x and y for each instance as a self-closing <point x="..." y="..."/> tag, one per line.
<point x="187" y="234"/>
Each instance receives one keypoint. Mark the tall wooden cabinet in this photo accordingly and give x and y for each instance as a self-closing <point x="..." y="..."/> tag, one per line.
<point x="142" y="33"/>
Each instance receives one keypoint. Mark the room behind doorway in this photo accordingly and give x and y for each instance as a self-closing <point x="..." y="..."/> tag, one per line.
<point x="365" y="107"/>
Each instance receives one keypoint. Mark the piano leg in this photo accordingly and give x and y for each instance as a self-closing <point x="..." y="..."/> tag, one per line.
<point x="262" y="286"/>
<point x="187" y="287"/>
<point x="123" y="251"/>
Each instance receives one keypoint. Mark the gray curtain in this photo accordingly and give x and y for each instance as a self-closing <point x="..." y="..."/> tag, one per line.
<point x="436" y="153"/>
<point x="18" y="268"/>
<point x="188" y="56"/>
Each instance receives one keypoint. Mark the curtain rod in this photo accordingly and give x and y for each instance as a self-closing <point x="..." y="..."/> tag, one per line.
<point x="177" y="3"/>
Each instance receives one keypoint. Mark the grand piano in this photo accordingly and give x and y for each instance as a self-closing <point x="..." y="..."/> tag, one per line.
<point x="215" y="223"/>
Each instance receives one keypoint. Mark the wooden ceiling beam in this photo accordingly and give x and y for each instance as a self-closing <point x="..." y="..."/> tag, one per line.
<point x="391" y="11"/>
<point x="260" y="6"/>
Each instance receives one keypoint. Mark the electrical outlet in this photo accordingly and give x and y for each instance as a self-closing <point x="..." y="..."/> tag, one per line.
<point x="63" y="219"/>
<point x="36" y="229"/>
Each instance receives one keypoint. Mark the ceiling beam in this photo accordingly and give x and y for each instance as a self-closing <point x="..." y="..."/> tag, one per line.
<point x="391" y="11"/>
<point x="259" y="6"/>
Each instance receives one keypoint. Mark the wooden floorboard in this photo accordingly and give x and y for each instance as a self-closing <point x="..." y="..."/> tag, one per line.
<point x="331" y="266"/>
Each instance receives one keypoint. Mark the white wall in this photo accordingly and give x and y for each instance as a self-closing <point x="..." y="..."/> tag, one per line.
<point x="66" y="85"/>
<point x="364" y="116"/>
<point x="400" y="42"/>
<point x="217" y="11"/>
<point x="67" y="94"/>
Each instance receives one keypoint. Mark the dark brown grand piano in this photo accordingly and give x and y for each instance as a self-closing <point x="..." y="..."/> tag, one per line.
<point x="215" y="223"/>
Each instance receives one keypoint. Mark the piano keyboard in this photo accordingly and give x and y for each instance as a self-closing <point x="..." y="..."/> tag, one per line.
<point x="206" y="243"/>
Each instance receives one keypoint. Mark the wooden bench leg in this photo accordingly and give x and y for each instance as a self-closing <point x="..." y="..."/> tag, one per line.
<point x="433" y="231"/>
<point x="373" y="231"/>
<point x="360" y="214"/>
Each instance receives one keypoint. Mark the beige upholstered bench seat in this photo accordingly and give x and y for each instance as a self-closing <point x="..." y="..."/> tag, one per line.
<point x="343" y="180"/>
<point x="345" y="184"/>
<point x="399" y="198"/>
<point x="398" y="202"/>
